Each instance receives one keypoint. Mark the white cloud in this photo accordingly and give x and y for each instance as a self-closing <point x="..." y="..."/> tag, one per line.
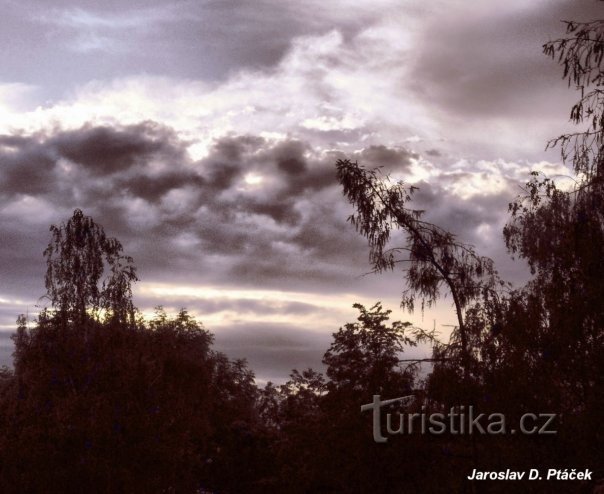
<point x="323" y="84"/>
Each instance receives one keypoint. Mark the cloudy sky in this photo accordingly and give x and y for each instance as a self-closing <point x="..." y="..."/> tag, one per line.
<point x="203" y="135"/>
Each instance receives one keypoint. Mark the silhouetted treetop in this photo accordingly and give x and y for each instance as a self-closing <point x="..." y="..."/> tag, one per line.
<point x="364" y="356"/>
<point x="77" y="256"/>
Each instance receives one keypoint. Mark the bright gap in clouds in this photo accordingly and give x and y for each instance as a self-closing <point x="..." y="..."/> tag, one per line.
<point x="292" y="329"/>
<point x="274" y="299"/>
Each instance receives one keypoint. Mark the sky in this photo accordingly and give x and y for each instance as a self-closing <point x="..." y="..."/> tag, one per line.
<point x="204" y="135"/>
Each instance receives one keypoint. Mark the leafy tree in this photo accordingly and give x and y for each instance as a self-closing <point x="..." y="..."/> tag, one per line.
<point x="323" y="443"/>
<point x="76" y="258"/>
<point x="560" y="231"/>
<point x="119" y="410"/>
<point x="538" y="347"/>
<point x="99" y="404"/>
<point x="241" y="459"/>
<point x="364" y="357"/>
<point x="432" y="258"/>
<point x="541" y="346"/>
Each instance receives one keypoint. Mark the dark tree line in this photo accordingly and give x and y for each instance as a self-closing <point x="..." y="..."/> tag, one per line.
<point x="102" y="400"/>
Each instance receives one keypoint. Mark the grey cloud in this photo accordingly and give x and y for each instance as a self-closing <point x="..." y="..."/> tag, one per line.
<point x="273" y="350"/>
<point x="283" y="212"/>
<point x="200" y="222"/>
<point x="297" y="175"/>
<point x="152" y="188"/>
<point x="394" y="159"/>
<point x="29" y="172"/>
<point x="275" y="232"/>
<point x="29" y="164"/>
<point x="293" y="166"/>
<point x="461" y="216"/>
<point x="491" y="65"/>
<point x="207" y="40"/>
<point x="105" y="150"/>
<point x="290" y="157"/>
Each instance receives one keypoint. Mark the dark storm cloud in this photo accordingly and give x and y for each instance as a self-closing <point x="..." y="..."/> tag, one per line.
<point x="226" y="163"/>
<point x="253" y="212"/>
<point x="30" y="170"/>
<point x="29" y="163"/>
<point x="153" y="188"/>
<point x="290" y="157"/>
<point x="105" y="150"/>
<point x="489" y="63"/>
<point x="139" y="183"/>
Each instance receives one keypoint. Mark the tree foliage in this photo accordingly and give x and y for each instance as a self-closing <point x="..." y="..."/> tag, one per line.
<point x="100" y="404"/>
<point x="560" y="233"/>
<point x="320" y="437"/>
<point x="77" y="255"/>
<point x="431" y="258"/>
<point x="366" y="354"/>
<point x="539" y="346"/>
<point x="581" y="53"/>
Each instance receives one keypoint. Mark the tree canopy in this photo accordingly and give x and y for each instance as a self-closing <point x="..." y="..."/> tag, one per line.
<point x="77" y="256"/>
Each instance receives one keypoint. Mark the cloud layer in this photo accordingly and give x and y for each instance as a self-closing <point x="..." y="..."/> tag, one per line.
<point x="203" y="135"/>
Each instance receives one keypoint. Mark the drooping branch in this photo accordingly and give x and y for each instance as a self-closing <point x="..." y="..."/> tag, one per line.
<point x="435" y="258"/>
<point x="581" y="53"/>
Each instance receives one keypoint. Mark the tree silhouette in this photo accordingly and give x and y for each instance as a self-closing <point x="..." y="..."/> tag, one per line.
<point x="100" y="404"/>
<point x="100" y="401"/>
<point x="364" y="357"/>
<point x="323" y="443"/>
<point x="431" y="257"/>
<point x="560" y="231"/>
<point x="538" y="347"/>
<point x="76" y="257"/>
<point x="581" y="53"/>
